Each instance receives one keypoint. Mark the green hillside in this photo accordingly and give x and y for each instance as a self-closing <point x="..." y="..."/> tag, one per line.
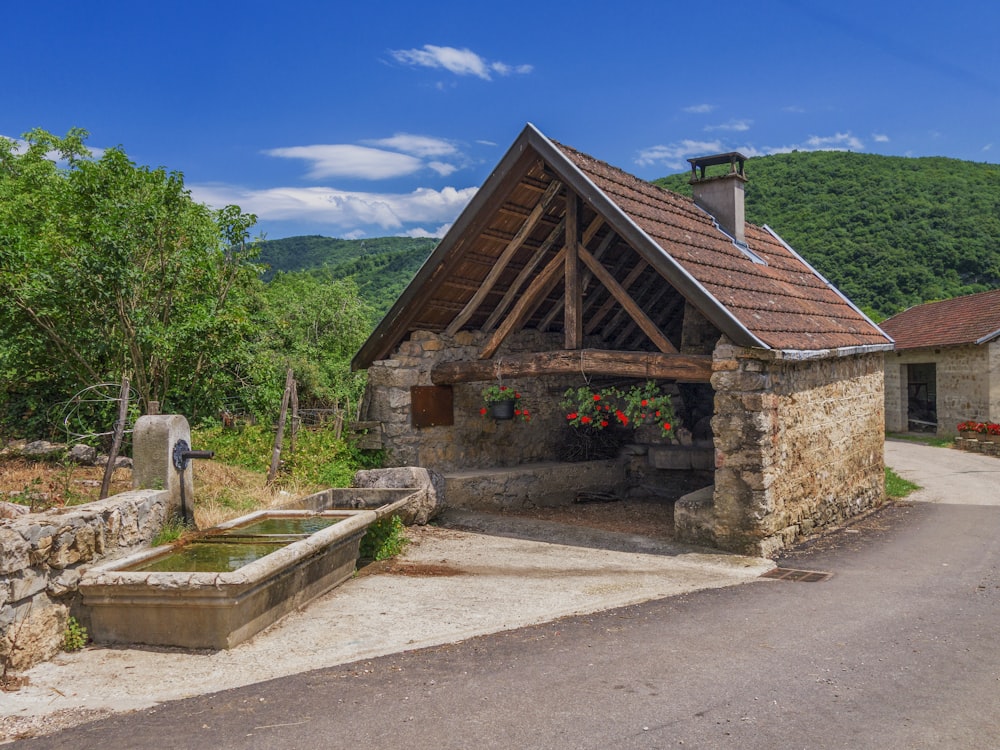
<point x="890" y="232"/>
<point x="380" y="266"/>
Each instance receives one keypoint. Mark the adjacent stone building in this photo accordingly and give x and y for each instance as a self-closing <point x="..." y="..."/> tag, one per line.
<point x="565" y="271"/>
<point x="946" y="366"/>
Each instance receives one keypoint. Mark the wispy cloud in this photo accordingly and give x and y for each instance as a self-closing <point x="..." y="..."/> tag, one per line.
<point x="347" y="213"/>
<point x="675" y="155"/>
<point x="699" y="109"/>
<point x="417" y="145"/>
<point x="738" y="126"/>
<point x="346" y="160"/>
<point x="461" y="62"/>
<point x="880" y="138"/>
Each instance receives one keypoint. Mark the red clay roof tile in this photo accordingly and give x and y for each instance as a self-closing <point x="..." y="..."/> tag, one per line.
<point x="950" y="322"/>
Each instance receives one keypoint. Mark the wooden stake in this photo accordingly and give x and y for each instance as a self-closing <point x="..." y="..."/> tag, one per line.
<point x="280" y="434"/>
<point x="116" y="442"/>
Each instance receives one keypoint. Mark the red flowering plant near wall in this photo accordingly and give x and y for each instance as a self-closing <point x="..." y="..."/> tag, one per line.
<point x="607" y="407"/>
<point x="498" y="394"/>
<point x="980" y="427"/>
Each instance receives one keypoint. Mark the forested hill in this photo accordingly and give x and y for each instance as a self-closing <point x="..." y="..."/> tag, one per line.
<point x="890" y="232"/>
<point x="380" y="266"/>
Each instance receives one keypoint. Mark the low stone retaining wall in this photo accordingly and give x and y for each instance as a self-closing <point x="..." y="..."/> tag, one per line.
<point x="42" y="556"/>
<point x="527" y="485"/>
<point x="986" y="447"/>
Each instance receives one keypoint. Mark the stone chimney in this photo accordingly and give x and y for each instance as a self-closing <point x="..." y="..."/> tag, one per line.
<point x="721" y="195"/>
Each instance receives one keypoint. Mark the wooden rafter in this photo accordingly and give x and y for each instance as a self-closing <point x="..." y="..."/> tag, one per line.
<point x="691" y="368"/>
<point x="573" y="294"/>
<point x="523" y="276"/>
<point x="533" y="296"/>
<point x="609" y="303"/>
<point x="648" y="326"/>
<point x="501" y="262"/>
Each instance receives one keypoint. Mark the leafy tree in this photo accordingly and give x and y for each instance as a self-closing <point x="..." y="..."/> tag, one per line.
<point x="314" y="324"/>
<point x="110" y="269"/>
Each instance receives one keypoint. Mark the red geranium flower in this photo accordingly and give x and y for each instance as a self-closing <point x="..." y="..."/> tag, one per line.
<point x="621" y="417"/>
<point x="585" y="420"/>
<point x="604" y="423"/>
<point x="483" y="411"/>
<point x="572" y="415"/>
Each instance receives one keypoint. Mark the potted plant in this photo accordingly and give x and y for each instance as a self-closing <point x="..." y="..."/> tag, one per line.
<point x="972" y="429"/>
<point x="502" y="402"/>
<point x="601" y="408"/>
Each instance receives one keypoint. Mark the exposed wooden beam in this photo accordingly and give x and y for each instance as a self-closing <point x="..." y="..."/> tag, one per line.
<point x="573" y="295"/>
<point x="689" y="368"/>
<point x="532" y="298"/>
<point x="596" y="223"/>
<point x="522" y="277"/>
<point x="603" y="310"/>
<point x="501" y="263"/>
<point x="647" y="325"/>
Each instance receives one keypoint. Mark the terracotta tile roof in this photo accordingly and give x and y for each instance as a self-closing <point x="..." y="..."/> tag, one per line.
<point x="784" y="303"/>
<point x="962" y="320"/>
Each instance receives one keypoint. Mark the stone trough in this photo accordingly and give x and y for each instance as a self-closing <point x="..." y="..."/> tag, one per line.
<point x="165" y="596"/>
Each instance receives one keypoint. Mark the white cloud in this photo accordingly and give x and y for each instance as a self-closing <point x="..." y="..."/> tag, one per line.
<point x="988" y="147"/>
<point x="442" y="168"/>
<point x="700" y="109"/>
<point x="461" y="62"/>
<point x="345" y="160"/>
<point x="343" y="211"/>
<point x="880" y="138"/>
<point x="417" y="145"/>
<point x="794" y="109"/>
<point x="674" y="155"/>
<point x="837" y="142"/>
<point x="733" y="125"/>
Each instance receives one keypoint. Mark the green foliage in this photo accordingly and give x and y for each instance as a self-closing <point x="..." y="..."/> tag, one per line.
<point x="75" y="636"/>
<point x="110" y="269"/>
<point x="385" y="538"/>
<point x="319" y="457"/>
<point x="314" y="323"/>
<point x="172" y="530"/>
<point x="890" y="232"/>
<point x="896" y="487"/>
<point x="380" y="267"/>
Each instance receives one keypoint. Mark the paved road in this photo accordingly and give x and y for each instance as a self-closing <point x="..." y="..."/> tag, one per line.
<point x="898" y="649"/>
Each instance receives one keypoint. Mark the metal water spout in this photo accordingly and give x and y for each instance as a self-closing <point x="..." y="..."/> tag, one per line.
<point x="182" y="456"/>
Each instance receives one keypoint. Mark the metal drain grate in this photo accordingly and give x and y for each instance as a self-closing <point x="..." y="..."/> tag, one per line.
<point x="802" y="576"/>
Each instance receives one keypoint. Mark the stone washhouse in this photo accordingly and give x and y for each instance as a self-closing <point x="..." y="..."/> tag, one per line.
<point x="946" y="366"/>
<point x="564" y="271"/>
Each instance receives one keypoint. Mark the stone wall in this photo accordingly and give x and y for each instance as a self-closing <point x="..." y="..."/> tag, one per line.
<point x="799" y="448"/>
<point x="474" y="441"/>
<point x="968" y="385"/>
<point x="478" y="445"/>
<point x="41" y="558"/>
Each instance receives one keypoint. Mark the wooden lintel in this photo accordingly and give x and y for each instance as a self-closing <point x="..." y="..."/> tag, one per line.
<point x="648" y="326"/>
<point x="688" y="368"/>
<point x="501" y="262"/>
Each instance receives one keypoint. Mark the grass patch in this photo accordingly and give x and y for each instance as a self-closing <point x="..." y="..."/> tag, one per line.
<point x="384" y="539"/>
<point x="896" y="487"/>
<point x="934" y="441"/>
<point x="172" y="530"/>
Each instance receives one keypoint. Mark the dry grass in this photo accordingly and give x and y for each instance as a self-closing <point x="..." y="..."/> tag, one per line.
<point x="47" y="484"/>
<point x="221" y="492"/>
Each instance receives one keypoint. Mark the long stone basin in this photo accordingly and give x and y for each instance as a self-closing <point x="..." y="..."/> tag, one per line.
<point x="217" y="610"/>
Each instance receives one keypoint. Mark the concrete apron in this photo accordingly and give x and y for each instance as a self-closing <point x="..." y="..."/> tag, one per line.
<point x="479" y="574"/>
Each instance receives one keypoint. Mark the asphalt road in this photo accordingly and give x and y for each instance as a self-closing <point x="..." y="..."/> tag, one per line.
<point x="897" y="649"/>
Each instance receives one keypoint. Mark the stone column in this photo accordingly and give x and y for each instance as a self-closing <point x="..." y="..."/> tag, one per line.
<point x="153" y="442"/>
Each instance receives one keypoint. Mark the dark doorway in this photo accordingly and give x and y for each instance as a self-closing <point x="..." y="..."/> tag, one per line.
<point x="921" y="405"/>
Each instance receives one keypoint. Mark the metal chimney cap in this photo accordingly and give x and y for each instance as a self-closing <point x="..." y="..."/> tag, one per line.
<point x="734" y="159"/>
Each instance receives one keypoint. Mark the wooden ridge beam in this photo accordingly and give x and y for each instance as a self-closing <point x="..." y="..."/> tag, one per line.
<point x="688" y="368"/>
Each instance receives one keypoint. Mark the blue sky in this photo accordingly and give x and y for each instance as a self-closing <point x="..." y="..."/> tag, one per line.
<point x="383" y="118"/>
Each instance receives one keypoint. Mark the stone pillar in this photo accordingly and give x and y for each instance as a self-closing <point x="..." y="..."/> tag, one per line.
<point x="153" y="442"/>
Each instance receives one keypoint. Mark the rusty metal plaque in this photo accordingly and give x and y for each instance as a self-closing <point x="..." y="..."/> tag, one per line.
<point x="432" y="406"/>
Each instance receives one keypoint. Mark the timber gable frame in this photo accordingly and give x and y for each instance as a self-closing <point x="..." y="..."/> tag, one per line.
<point x="556" y="239"/>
